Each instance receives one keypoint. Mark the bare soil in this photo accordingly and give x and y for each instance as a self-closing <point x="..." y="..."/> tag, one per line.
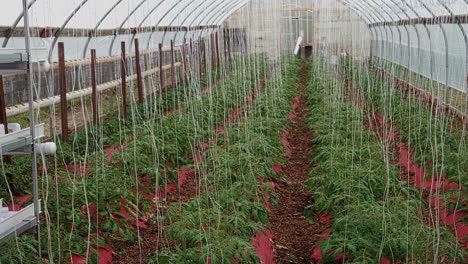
<point x="294" y="235"/>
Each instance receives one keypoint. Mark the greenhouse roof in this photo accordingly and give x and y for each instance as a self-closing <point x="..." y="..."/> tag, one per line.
<point x="111" y="14"/>
<point x="94" y="15"/>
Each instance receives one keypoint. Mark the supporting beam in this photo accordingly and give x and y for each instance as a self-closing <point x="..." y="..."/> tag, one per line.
<point x="455" y="19"/>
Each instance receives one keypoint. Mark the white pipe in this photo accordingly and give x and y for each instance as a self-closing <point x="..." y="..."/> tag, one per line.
<point x="23" y="108"/>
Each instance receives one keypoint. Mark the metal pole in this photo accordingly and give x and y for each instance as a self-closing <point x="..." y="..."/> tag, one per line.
<point x="138" y="72"/>
<point x="123" y="74"/>
<point x="94" y="98"/>
<point x="213" y="51"/>
<point x="31" y="123"/>
<point x="63" y="91"/>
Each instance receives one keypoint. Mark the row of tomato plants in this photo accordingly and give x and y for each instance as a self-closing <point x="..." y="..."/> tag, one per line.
<point x="236" y="185"/>
<point x="431" y="150"/>
<point x="91" y="195"/>
<point x="437" y="137"/>
<point x="374" y="211"/>
<point x="431" y="147"/>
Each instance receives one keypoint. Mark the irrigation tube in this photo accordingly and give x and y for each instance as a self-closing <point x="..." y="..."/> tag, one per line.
<point x="19" y="109"/>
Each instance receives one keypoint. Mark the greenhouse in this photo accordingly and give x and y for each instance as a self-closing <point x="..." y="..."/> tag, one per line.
<point x="233" y="131"/>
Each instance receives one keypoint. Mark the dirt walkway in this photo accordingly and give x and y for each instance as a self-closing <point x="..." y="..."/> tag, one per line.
<point x="294" y="235"/>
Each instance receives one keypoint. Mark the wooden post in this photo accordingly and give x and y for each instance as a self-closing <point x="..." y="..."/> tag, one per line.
<point x="123" y="74"/>
<point x="200" y="61"/>
<point x="203" y="52"/>
<point x="213" y="51"/>
<point x="173" y="78"/>
<point x="141" y="96"/>
<point x="3" y="115"/>
<point x="229" y="44"/>
<point x="63" y="91"/>
<point x="94" y="97"/>
<point x="161" y="72"/>
<point x="191" y="47"/>
<point x="184" y="61"/>
<point x="225" y="45"/>
<point x="217" y="50"/>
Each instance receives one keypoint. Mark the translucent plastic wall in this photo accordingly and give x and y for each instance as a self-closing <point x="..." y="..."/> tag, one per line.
<point x="429" y="51"/>
<point x="426" y="36"/>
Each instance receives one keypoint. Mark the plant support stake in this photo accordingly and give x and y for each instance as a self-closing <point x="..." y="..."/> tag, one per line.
<point x="3" y="115"/>
<point x="123" y="74"/>
<point x="161" y="73"/>
<point x="94" y="85"/>
<point x="173" y="79"/>
<point x="138" y="72"/>
<point x="63" y="91"/>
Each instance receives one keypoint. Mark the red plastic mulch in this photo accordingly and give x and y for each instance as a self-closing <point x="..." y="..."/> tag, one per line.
<point x="264" y="248"/>
<point x="432" y="187"/>
<point x="104" y="255"/>
<point x="21" y="201"/>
